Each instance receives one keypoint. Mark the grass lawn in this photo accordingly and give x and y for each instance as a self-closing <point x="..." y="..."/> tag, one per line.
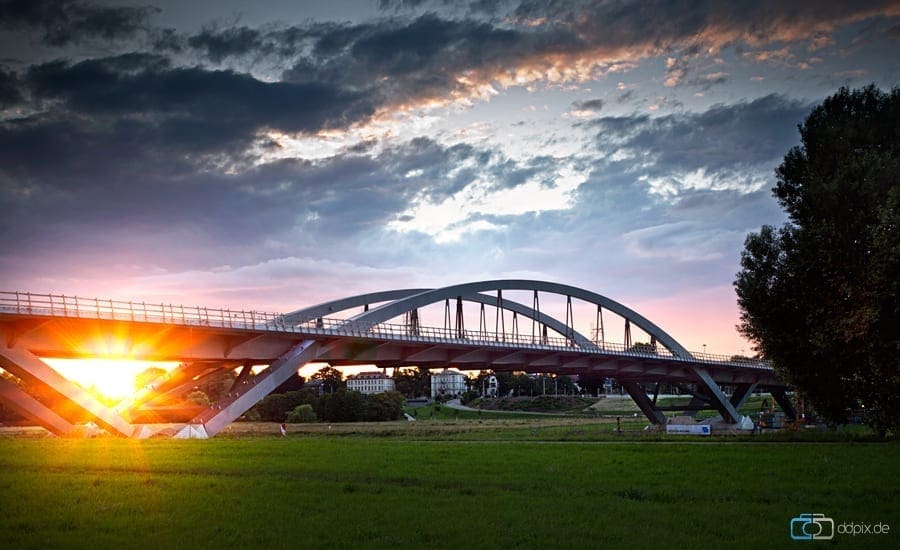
<point x="432" y="490"/>
<point x="443" y="412"/>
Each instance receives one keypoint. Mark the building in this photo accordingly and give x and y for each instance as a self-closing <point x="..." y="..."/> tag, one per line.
<point x="449" y="383"/>
<point x="490" y="387"/>
<point x="370" y="382"/>
<point x="317" y="386"/>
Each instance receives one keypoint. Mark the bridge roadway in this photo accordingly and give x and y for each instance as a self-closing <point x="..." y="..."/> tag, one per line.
<point x="208" y="341"/>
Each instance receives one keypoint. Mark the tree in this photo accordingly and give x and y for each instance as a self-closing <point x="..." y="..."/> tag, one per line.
<point x="819" y="296"/>
<point x="342" y="406"/>
<point x="644" y="348"/>
<point x="294" y="383"/>
<point x="332" y="379"/>
<point x="275" y="406"/>
<point x="147" y="376"/>
<point x="384" y="406"/>
<point x="413" y="382"/>
<point x="198" y="397"/>
<point x="301" y="414"/>
<point x="216" y="386"/>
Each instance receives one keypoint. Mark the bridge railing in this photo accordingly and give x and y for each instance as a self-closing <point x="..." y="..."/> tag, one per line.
<point x="406" y="332"/>
<point x="58" y="305"/>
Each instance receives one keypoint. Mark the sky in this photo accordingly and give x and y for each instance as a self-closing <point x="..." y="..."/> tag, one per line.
<point x="275" y="154"/>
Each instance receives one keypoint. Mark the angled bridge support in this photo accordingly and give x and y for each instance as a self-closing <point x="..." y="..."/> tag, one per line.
<point x="717" y="397"/>
<point x="24" y="404"/>
<point x="223" y="413"/>
<point x="28" y="366"/>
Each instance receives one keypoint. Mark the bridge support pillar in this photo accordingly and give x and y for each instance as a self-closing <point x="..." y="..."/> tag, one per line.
<point x="28" y="366"/>
<point x="700" y="401"/>
<point x="24" y="404"/>
<point x="695" y="406"/>
<point x="784" y="402"/>
<point x="741" y="393"/>
<point x="226" y="411"/>
<point x="636" y="391"/>
<point x="717" y="397"/>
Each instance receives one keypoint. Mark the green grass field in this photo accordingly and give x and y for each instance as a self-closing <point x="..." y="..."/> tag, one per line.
<point x="515" y="484"/>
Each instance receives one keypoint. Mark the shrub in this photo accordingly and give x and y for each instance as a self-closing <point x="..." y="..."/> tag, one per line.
<point x="342" y="406"/>
<point x="301" y="414"/>
<point x="384" y="406"/>
<point x="275" y="407"/>
<point x="198" y="398"/>
<point x="468" y="397"/>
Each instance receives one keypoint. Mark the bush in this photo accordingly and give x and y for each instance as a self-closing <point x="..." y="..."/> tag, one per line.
<point x="197" y="397"/>
<point x="276" y="406"/>
<point x="352" y="406"/>
<point x="384" y="406"/>
<point x="468" y="397"/>
<point x="301" y="414"/>
<point x="251" y="416"/>
<point x="342" y="406"/>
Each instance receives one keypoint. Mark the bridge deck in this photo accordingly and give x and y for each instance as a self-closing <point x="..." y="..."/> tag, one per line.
<point x="41" y="308"/>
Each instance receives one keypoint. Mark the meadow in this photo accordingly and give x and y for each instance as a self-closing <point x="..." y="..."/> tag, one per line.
<point x="523" y="483"/>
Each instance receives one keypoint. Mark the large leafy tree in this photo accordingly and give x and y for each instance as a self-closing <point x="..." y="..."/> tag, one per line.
<point x="332" y="379"/>
<point x="414" y="382"/>
<point x="819" y="296"/>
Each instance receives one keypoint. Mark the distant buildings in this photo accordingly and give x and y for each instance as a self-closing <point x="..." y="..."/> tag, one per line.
<point x="448" y="383"/>
<point x="370" y="383"/>
<point x="317" y="386"/>
<point x="490" y="387"/>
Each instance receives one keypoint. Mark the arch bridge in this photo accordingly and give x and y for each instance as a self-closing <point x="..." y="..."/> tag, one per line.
<point x="388" y="332"/>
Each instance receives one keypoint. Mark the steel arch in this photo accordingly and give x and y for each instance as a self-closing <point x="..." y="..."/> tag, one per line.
<point x="343" y="304"/>
<point x="385" y="312"/>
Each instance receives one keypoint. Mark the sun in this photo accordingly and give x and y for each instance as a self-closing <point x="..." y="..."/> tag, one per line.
<point x="112" y="379"/>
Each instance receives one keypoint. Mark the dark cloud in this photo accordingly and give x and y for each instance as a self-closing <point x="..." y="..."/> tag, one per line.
<point x="724" y="137"/>
<point x="397" y="5"/>
<point x="220" y="43"/>
<point x="191" y="108"/>
<point x="707" y="81"/>
<point x="589" y="105"/>
<point x="894" y="32"/>
<point x="10" y="88"/>
<point x="421" y="59"/>
<point x="401" y="60"/>
<point x="488" y="7"/>
<point x="63" y="22"/>
<point x="181" y="212"/>
<point x="230" y="42"/>
<point x="625" y="96"/>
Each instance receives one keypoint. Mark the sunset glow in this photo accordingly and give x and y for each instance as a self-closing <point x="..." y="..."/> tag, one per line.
<point x="113" y="379"/>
